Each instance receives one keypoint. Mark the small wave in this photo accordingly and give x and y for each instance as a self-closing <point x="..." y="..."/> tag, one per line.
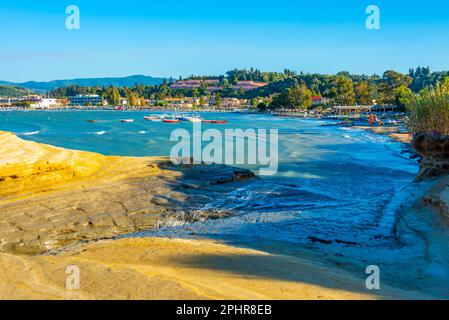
<point x="142" y="132"/>
<point x="100" y="133"/>
<point x="31" y="133"/>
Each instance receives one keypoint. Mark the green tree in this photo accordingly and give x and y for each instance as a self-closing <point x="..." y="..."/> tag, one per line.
<point x="202" y="101"/>
<point x="112" y="95"/>
<point x="299" y="96"/>
<point x="218" y="100"/>
<point x="342" y="90"/>
<point x="390" y="84"/>
<point x="254" y="102"/>
<point x="362" y="93"/>
<point x="403" y="95"/>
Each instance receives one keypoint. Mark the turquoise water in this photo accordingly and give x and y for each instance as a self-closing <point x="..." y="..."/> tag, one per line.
<point x="334" y="184"/>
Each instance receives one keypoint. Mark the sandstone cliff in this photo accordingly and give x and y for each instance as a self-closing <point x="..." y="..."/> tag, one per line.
<point x="434" y="148"/>
<point x="51" y="196"/>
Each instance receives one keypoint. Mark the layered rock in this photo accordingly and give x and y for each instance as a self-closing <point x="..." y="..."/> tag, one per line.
<point x="434" y="149"/>
<point x="50" y="197"/>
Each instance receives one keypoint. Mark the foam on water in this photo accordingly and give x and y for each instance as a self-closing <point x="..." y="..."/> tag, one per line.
<point x="31" y="133"/>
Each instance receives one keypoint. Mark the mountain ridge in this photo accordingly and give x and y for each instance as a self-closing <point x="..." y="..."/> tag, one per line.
<point x="129" y="81"/>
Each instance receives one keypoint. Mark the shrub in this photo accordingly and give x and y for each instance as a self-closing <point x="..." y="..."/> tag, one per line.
<point x="428" y="111"/>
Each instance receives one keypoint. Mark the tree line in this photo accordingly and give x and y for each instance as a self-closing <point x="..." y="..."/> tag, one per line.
<point x="286" y="89"/>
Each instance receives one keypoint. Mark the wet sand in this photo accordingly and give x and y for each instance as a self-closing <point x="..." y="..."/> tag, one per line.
<point x="391" y="131"/>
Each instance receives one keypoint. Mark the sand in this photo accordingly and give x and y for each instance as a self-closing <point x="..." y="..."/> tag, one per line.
<point x="391" y="131"/>
<point x="178" y="269"/>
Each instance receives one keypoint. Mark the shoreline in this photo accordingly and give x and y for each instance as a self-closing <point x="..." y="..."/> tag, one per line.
<point x="135" y="110"/>
<point x="196" y="280"/>
<point x="390" y="131"/>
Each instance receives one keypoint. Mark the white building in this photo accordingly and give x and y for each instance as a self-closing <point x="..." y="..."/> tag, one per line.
<point x="45" y="104"/>
<point x="123" y="102"/>
<point x="8" y="101"/>
<point x="86" y="100"/>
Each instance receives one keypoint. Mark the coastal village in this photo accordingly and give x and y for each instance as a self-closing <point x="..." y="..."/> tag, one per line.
<point x="194" y="95"/>
<point x="35" y="101"/>
<point x="204" y="94"/>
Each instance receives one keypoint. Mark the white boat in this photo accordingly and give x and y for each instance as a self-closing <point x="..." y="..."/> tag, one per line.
<point x="127" y="120"/>
<point x="194" y="119"/>
<point x="391" y="122"/>
<point x="153" y="118"/>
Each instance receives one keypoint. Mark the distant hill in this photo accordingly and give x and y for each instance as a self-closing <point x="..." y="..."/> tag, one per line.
<point x="13" y="91"/>
<point x="119" y="82"/>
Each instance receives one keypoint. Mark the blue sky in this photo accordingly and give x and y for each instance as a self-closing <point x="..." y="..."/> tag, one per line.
<point x="173" y="38"/>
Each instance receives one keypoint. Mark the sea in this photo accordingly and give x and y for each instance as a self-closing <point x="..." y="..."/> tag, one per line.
<point x="335" y="187"/>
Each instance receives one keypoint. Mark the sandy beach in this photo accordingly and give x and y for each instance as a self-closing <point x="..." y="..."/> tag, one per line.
<point x="391" y="131"/>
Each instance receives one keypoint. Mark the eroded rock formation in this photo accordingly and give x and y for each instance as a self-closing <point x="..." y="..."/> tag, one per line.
<point x="434" y="149"/>
<point x="51" y="196"/>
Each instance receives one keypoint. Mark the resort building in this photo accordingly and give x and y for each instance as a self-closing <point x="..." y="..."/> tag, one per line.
<point x="212" y="82"/>
<point x="31" y="98"/>
<point x="174" y="102"/>
<point x="186" y="84"/>
<point x="249" y="85"/>
<point x="231" y="103"/>
<point x="46" y="104"/>
<point x="317" y="100"/>
<point x="180" y="102"/>
<point x="123" y="102"/>
<point x="210" y="85"/>
<point x="378" y="108"/>
<point x="7" y="102"/>
<point x="86" y="99"/>
<point x="213" y="88"/>
<point x="348" y="110"/>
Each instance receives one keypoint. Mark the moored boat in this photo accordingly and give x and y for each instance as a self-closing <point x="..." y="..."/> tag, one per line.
<point x="219" y="121"/>
<point x="216" y="121"/>
<point x="127" y="120"/>
<point x="194" y="119"/>
<point x="171" y="120"/>
<point x="152" y="118"/>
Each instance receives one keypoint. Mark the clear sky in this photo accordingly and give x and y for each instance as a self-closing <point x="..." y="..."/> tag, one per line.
<point x="173" y="38"/>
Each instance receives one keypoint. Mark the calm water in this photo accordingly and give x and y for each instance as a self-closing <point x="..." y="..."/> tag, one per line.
<point x="334" y="184"/>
